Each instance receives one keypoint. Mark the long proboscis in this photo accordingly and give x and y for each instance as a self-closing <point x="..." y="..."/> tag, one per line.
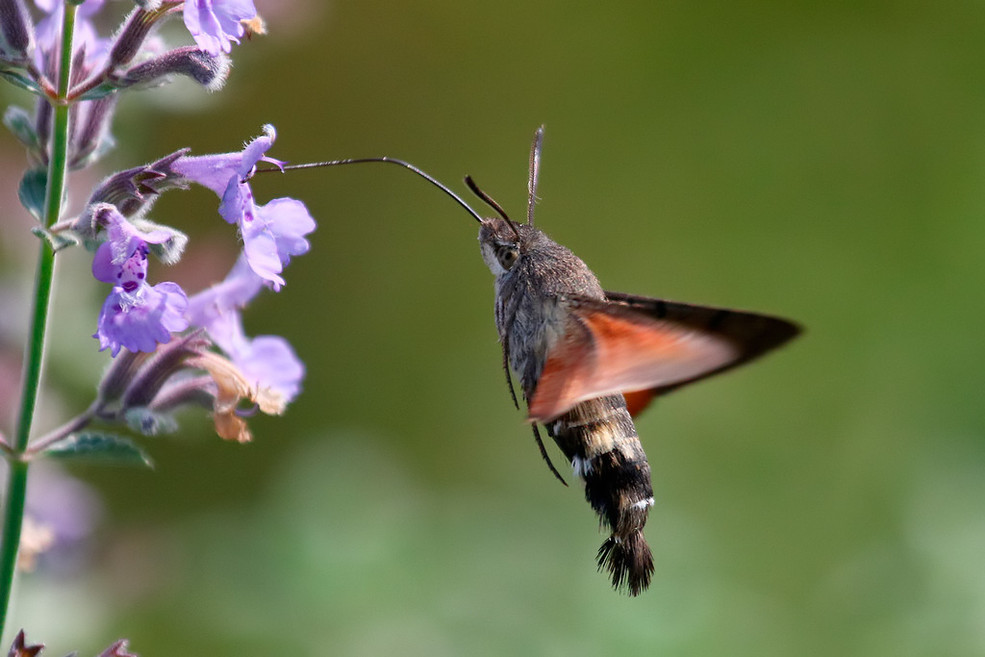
<point x="361" y="160"/>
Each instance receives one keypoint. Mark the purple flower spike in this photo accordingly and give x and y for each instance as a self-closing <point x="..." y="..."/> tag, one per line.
<point x="216" y="24"/>
<point x="272" y="233"/>
<point x="135" y="315"/>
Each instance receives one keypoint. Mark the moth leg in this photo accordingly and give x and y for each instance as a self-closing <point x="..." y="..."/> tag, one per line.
<point x="540" y="443"/>
<point x="547" y="459"/>
<point x="504" y="316"/>
<point x="509" y="379"/>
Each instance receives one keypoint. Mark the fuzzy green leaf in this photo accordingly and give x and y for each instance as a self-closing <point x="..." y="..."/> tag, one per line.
<point x="100" y="91"/>
<point x="20" y="122"/>
<point x="58" y="241"/>
<point x="32" y="191"/>
<point x="97" y="447"/>
<point x="20" y="80"/>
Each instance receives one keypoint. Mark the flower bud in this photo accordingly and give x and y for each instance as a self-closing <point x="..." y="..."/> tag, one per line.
<point x="90" y="138"/>
<point x="121" y="371"/>
<point x="184" y="391"/>
<point x="167" y="361"/>
<point x="20" y="647"/>
<point x="16" y="31"/>
<point x="208" y="70"/>
<point x="131" y="191"/>
<point x="131" y="37"/>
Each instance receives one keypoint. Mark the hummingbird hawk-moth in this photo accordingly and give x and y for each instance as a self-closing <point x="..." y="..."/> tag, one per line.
<point x="589" y="360"/>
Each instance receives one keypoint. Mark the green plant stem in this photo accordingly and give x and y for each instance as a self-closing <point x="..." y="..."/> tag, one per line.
<point x="34" y="357"/>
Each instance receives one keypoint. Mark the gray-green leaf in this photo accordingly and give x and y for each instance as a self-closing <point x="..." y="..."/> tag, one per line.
<point x="32" y="191"/>
<point x="20" y="80"/>
<point x="20" y="122"/>
<point x="97" y="447"/>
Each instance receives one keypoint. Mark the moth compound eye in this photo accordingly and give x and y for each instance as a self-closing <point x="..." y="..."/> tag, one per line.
<point x="507" y="255"/>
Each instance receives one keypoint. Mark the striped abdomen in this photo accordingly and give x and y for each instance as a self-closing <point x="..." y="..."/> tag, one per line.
<point x="600" y="441"/>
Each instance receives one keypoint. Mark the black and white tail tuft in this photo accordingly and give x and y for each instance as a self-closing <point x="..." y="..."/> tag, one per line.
<point x="629" y="562"/>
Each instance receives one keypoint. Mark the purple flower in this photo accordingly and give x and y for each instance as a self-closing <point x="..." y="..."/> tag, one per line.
<point x="135" y="315"/>
<point x="266" y="361"/>
<point x="215" y="24"/>
<point x="270" y="362"/>
<point x="217" y="172"/>
<point x="272" y="233"/>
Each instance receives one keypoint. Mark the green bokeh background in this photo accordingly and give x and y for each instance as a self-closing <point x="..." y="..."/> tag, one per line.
<point x="823" y="162"/>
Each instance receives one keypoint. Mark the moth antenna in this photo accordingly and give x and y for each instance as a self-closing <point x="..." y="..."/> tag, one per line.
<point x="534" y="173"/>
<point x="391" y="160"/>
<point x="491" y="202"/>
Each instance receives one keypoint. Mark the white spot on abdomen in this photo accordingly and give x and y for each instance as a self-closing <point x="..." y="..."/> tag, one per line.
<point x="582" y="467"/>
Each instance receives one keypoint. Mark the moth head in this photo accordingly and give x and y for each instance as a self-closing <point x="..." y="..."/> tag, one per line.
<point x="499" y="237"/>
<point x="499" y="241"/>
